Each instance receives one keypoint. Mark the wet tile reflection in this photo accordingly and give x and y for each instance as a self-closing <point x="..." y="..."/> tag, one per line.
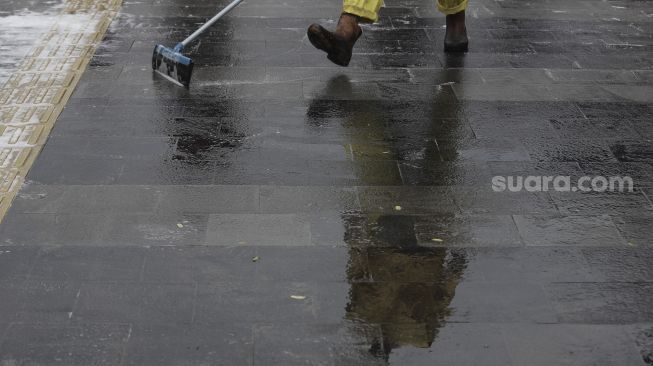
<point x="410" y="284"/>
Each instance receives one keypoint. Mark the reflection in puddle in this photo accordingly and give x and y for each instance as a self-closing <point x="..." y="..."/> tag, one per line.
<point x="397" y="283"/>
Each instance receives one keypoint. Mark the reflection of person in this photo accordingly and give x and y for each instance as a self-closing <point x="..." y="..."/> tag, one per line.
<point x="412" y="285"/>
<point x="339" y="44"/>
<point x="411" y="294"/>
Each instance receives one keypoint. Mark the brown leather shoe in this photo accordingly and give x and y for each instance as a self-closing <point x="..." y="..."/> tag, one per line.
<point x="337" y="47"/>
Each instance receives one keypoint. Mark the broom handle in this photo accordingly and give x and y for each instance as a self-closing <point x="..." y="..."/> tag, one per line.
<point x="217" y="17"/>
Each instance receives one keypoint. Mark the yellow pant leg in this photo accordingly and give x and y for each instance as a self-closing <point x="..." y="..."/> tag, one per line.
<point x="368" y="10"/>
<point x="452" y="6"/>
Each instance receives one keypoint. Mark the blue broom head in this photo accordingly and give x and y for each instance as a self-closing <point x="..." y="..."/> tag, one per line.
<point x="172" y="64"/>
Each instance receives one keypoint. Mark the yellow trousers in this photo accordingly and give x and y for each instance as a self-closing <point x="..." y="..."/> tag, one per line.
<point x="368" y="10"/>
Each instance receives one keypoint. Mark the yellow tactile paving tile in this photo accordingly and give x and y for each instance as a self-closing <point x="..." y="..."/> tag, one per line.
<point x="34" y="96"/>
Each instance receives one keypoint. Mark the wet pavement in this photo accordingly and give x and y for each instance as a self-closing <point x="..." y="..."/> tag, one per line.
<point x="288" y="212"/>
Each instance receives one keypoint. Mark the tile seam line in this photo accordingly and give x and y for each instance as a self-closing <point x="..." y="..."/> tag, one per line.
<point x="20" y="106"/>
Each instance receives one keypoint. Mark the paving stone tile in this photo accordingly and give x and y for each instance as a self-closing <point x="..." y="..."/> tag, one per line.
<point x="88" y="264"/>
<point x="568" y="231"/>
<point x="333" y="344"/>
<point x="640" y="172"/>
<point x="417" y="266"/>
<point x="636" y="93"/>
<point x="613" y="109"/>
<point x="565" y="150"/>
<point x="496" y="127"/>
<point x="530" y="264"/>
<point x="279" y="199"/>
<point x="446" y="173"/>
<point x="347" y="173"/>
<point x="501" y="302"/>
<point x="88" y="199"/>
<point x="313" y="264"/>
<point x="467" y="231"/>
<point x="162" y="171"/>
<point x="538" y="169"/>
<point x="189" y="344"/>
<point x="406" y="200"/>
<point x="484" y="200"/>
<point x="52" y="229"/>
<point x="491" y="350"/>
<point x="135" y="303"/>
<point x="240" y="301"/>
<point x="199" y="264"/>
<point x="208" y="199"/>
<point x="633" y="150"/>
<point x="482" y="150"/>
<point x="601" y="303"/>
<point x="97" y="344"/>
<point x="593" y="128"/>
<point x="621" y="264"/>
<point x="77" y="170"/>
<point x="636" y="230"/>
<point x="155" y="230"/>
<point x="611" y="203"/>
<point x="16" y="262"/>
<point x="571" y="344"/>
<point x="46" y="301"/>
<point x="257" y="229"/>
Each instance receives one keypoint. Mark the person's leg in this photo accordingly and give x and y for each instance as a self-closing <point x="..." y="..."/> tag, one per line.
<point x="339" y="44"/>
<point x="455" y="39"/>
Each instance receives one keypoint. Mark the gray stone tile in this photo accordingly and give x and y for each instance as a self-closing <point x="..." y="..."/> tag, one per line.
<point x="620" y="264"/>
<point x="531" y="264"/>
<point x="484" y="201"/>
<point x="258" y="229"/>
<point x="105" y="199"/>
<point x="467" y="231"/>
<point x="279" y="199"/>
<point x="594" y="203"/>
<point x="478" y="302"/>
<point x="538" y="169"/>
<point x="331" y="344"/>
<point x="640" y="172"/>
<point x="155" y="230"/>
<point x="254" y="302"/>
<point x="636" y="230"/>
<point x="51" y="229"/>
<point x="483" y="150"/>
<point x="570" y="344"/>
<point x="557" y="150"/>
<point x="84" y="344"/>
<point x="208" y="199"/>
<point x="46" y="301"/>
<point x="568" y="231"/>
<point x="311" y="264"/>
<point x="189" y="344"/>
<point x="452" y="345"/>
<point x="199" y="264"/>
<point x="601" y="303"/>
<point x="446" y="173"/>
<point x="636" y="93"/>
<point x="135" y="303"/>
<point x="593" y="128"/>
<point x="406" y="200"/>
<point x="88" y="264"/>
<point x="16" y="262"/>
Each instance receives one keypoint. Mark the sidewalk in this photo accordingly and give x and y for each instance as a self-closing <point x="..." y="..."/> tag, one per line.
<point x="285" y="211"/>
